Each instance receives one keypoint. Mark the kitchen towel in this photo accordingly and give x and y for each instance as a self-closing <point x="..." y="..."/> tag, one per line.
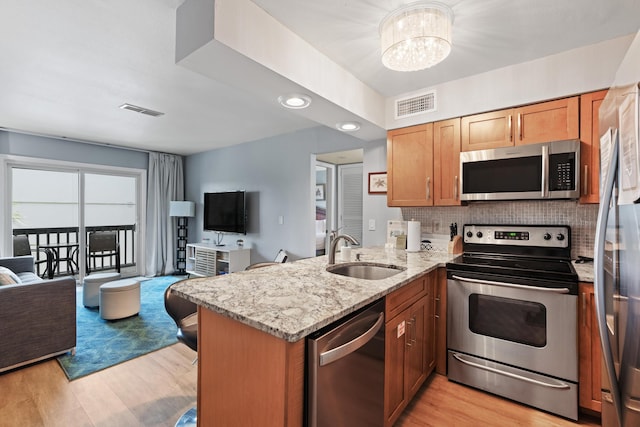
<point x="414" y="236"/>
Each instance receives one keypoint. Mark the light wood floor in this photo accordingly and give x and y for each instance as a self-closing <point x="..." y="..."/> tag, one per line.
<point x="154" y="390"/>
<point x="443" y="403"/>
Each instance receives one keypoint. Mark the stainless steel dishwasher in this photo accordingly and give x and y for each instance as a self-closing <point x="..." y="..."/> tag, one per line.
<point x="345" y="371"/>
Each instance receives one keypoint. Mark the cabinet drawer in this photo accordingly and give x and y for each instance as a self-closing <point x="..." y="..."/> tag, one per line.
<point x="398" y="300"/>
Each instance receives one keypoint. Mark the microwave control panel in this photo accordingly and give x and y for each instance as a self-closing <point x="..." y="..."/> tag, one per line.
<point x="562" y="172"/>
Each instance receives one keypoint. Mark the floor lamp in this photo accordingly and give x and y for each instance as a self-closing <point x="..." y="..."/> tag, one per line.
<point x="182" y="210"/>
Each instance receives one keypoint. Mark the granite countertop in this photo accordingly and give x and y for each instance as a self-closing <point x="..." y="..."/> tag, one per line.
<point x="292" y="300"/>
<point x="585" y="271"/>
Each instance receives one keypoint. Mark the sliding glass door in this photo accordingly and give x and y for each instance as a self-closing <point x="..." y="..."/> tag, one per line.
<point x="110" y="204"/>
<point x="57" y="208"/>
<point x="45" y="207"/>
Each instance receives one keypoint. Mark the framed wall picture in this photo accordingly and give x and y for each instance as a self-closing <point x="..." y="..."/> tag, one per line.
<point x="320" y="192"/>
<point x="377" y="182"/>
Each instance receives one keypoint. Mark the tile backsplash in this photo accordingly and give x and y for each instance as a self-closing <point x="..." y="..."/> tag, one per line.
<point x="581" y="218"/>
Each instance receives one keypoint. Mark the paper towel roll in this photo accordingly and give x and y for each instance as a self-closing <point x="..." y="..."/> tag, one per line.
<point x="413" y="236"/>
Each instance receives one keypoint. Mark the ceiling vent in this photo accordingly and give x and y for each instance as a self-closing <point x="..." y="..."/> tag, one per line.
<point x="417" y="104"/>
<point x="141" y="110"/>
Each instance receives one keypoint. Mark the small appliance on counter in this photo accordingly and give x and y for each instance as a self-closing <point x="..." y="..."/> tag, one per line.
<point x="397" y="234"/>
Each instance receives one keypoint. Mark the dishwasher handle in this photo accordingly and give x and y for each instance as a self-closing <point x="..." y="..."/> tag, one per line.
<point x="353" y="345"/>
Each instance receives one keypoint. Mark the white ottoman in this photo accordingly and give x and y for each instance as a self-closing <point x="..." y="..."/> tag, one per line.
<point x="91" y="287"/>
<point x="119" y="299"/>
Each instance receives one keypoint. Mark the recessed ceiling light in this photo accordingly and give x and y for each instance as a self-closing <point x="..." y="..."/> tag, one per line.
<point x="294" y="100"/>
<point x="348" y="126"/>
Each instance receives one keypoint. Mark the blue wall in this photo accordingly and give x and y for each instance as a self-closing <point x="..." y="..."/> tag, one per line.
<point x="279" y="175"/>
<point x="20" y="144"/>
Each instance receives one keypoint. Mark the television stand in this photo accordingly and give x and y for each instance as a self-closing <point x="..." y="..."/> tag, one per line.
<point x="205" y="259"/>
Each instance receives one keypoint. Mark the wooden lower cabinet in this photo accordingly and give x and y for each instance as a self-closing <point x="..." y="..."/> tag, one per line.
<point x="590" y="354"/>
<point x="409" y="350"/>
<point x="247" y="377"/>
<point x="441" y="321"/>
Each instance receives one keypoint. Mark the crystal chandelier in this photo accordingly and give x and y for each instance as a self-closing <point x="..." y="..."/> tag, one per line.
<point x="416" y="36"/>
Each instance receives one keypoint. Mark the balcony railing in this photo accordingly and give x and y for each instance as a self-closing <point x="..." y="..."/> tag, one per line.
<point x="68" y="235"/>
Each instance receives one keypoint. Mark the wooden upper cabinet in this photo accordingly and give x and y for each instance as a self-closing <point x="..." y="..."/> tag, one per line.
<point x="487" y="130"/>
<point x="590" y="146"/>
<point x="410" y="166"/>
<point x="547" y="121"/>
<point x="543" y="122"/>
<point x="446" y="162"/>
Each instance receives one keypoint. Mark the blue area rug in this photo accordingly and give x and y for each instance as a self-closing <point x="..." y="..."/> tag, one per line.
<point x="104" y="343"/>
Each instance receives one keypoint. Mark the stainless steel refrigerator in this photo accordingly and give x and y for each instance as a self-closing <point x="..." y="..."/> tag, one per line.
<point x="617" y="246"/>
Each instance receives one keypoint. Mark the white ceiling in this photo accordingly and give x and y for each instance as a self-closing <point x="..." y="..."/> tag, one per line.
<point x="67" y="65"/>
<point x="342" y="157"/>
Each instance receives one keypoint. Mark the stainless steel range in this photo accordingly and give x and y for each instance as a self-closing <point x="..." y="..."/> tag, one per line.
<point x="512" y="308"/>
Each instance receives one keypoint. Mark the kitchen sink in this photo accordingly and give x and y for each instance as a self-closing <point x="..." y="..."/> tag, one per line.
<point x="367" y="271"/>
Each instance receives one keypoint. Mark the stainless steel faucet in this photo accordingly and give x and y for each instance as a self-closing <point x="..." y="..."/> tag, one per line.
<point x="334" y="246"/>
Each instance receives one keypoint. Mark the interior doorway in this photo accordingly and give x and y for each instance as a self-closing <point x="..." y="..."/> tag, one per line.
<point x="338" y="196"/>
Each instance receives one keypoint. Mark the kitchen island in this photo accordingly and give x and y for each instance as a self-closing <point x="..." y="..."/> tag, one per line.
<point x="252" y="327"/>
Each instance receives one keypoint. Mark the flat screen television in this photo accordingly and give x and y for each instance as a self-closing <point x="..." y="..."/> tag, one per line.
<point x="225" y="212"/>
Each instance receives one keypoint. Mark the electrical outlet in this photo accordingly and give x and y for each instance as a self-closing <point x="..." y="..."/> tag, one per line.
<point x="436" y="225"/>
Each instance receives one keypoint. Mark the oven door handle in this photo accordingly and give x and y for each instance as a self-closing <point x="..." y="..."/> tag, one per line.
<point x="513" y="285"/>
<point x="558" y="385"/>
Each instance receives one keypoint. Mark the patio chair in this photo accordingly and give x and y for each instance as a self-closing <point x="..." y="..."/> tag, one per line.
<point x="101" y="245"/>
<point x="22" y="247"/>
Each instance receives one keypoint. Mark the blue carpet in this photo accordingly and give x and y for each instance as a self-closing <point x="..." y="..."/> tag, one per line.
<point x="104" y="343"/>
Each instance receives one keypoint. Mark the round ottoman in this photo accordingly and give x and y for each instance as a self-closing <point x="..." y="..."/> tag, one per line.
<point x="119" y="299"/>
<point x="91" y="287"/>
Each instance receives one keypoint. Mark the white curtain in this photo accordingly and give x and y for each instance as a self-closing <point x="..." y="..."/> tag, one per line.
<point x="166" y="183"/>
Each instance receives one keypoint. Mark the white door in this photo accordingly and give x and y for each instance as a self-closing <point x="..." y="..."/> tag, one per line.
<point x="350" y="200"/>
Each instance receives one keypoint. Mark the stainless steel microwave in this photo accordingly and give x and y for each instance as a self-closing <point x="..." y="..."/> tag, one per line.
<point x="525" y="172"/>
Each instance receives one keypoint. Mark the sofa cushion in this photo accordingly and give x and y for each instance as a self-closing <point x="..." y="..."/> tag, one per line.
<point x="28" y="277"/>
<point x="8" y="277"/>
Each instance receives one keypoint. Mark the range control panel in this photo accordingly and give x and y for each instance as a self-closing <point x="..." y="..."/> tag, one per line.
<point x="511" y="235"/>
<point x="550" y="236"/>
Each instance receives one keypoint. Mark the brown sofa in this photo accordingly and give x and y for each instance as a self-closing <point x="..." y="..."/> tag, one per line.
<point x="37" y="317"/>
